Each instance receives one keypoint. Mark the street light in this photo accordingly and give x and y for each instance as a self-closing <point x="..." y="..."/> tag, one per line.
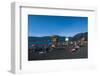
<point x="66" y="39"/>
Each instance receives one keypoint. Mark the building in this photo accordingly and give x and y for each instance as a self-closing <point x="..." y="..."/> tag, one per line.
<point x="46" y="41"/>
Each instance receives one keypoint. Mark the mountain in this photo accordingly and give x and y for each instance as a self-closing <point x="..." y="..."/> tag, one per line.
<point x="44" y="38"/>
<point x="74" y="38"/>
<point x="79" y="36"/>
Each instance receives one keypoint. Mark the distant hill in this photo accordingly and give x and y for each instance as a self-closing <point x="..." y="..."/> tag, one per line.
<point x="44" y="38"/>
<point x="79" y="36"/>
<point x="74" y="38"/>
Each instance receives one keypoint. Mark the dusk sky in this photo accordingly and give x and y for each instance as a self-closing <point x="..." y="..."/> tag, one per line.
<point x="43" y="25"/>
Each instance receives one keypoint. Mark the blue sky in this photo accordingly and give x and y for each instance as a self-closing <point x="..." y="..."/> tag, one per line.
<point x="43" y="25"/>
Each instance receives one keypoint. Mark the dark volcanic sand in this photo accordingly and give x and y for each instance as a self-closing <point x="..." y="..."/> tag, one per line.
<point x="59" y="54"/>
